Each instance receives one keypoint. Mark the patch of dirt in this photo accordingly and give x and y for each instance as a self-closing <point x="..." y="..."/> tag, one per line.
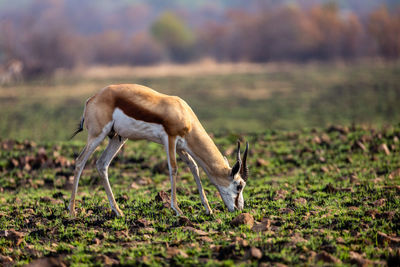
<point x="48" y="262"/>
<point x="243" y="219"/>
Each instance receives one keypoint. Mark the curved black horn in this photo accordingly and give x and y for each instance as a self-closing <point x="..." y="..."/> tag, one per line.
<point x="238" y="165"/>
<point x="238" y="153"/>
<point x="244" y="170"/>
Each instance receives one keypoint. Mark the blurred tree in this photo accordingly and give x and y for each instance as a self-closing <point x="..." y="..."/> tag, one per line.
<point x="144" y="51"/>
<point x="353" y="37"/>
<point x="109" y="47"/>
<point x="385" y="30"/>
<point x="279" y="35"/>
<point x="175" y="36"/>
<point x="329" y="25"/>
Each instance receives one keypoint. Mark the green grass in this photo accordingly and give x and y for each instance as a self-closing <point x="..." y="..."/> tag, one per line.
<point x="287" y="97"/>
<point x="320" y="195"/>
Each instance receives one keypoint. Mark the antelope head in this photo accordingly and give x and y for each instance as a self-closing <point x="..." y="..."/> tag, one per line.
<point x="232" y="195"/>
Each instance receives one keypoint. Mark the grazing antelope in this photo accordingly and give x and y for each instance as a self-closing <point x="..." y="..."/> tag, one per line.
<point x="12" y="72"/>
<point x="137" y="112"/>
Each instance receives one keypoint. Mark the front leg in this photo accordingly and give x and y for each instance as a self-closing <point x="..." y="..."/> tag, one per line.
<point x="170" y="148"/>
<point x="195" y="171"/>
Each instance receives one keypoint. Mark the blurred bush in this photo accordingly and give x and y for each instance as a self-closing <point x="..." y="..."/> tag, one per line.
<point x="172" y="33"/>
<point x="50" y="34"/>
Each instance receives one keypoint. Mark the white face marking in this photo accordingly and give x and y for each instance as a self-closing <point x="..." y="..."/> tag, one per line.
<point x="232" y="197"/>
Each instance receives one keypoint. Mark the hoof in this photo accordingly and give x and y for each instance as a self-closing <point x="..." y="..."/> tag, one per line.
<point x="118" y="212"/>
<point x="178" y="211"/>
<point x="72" y="213"/>
<point x="71" y="209"/>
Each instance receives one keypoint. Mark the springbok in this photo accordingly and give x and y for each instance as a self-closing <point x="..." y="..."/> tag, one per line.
<point x="129" y="111"/>
<point x="11" y="72"/>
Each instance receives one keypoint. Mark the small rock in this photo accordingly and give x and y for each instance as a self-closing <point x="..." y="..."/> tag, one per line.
<point x="360" y="145"/>
<point x="184" y="221"/>
<point x="163" y="197"/>
<point x="13" y="235"/>
<point x="326" y="257"/>
<point x="96" y="241"/>
<point x="280" y="194"/>
<point x="5" y="260"/>
<point x="325" y="139"/>
<point x="394" y="174"/>
<point x="324" y="169"/>
<point x="300" y="201"/>
<point x="358" y="259"/>
<point x="329" y="188"/>
<point x="147" y="230"/>
<point x="297" y="238"/>
<point x="205" y="239"/>
<point x="46" y="199"/>
<point x="255" y="253"/>
<point x="338" y="128"/>
<point x="135" y="185"/>
<point x="194" y="230"/>
<point x="349" y="159"/>
<point x="354" y="179"/>
<point x="384" y="238"/>
<point x="317" y="140"/>
<point x="379" y="202"/>
<point x="261" y="162"/>
<point x="107" y="260"/>
<point x="264" y="225"/>
<point x="286" y="211"/>
<point x="47" y="262"/>
<point x="340" y="240"/>
<point x="173" y="252"/>
<point x="384" y="148"/>
<point x="244" y="218"/>
<point x="143" y="222"/>
<point x="145" y="181"/>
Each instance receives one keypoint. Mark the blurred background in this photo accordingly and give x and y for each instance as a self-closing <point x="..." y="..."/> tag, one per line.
<point x="243" y="66"/>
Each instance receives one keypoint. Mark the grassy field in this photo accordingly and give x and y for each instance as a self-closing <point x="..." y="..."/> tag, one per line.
<point x="227" y="98"/>
<point x="327" y="197"/>
<point x="318" y="194"/>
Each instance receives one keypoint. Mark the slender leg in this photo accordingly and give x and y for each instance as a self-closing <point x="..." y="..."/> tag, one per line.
<point x="80" y="162"/>
<point x="170" y="148"/>
<point x="195" y="171"/>
<point x="102" y="164"/>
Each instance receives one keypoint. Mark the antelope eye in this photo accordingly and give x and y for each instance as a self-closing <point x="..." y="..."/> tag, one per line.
<point x="239" y="187"/>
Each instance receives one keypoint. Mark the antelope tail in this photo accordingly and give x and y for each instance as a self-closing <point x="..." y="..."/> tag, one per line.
<point x="79" y="129"/>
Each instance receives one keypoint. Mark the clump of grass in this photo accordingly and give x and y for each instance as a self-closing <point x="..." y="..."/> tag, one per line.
<point x="326" y="195"/>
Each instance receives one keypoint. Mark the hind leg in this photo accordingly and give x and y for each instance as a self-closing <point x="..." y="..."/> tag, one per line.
<point x="91" y="145"/>
<point x="80" y="163"/>
<point x="102" y="164"/>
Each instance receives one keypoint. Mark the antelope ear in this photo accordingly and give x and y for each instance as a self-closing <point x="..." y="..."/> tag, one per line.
<point x="226" y="160"/>
<point x="235" y="169"/>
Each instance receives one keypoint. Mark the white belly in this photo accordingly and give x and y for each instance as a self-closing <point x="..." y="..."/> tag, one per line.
<point x="130" y="128"/>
